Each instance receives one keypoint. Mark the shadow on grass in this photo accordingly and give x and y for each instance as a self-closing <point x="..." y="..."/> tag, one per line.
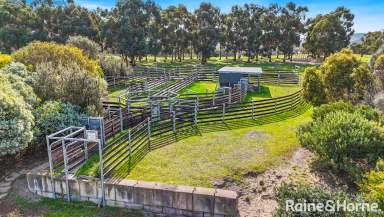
<point x="168" y="137"/>
<point x="263" y="93"/>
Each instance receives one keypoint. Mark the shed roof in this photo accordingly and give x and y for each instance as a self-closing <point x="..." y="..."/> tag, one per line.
<point x="243" y="70"/>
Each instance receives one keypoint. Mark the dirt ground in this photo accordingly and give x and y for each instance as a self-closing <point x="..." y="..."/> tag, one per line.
<point x="258" y="190"/>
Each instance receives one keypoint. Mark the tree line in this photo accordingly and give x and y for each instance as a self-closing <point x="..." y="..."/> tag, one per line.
<point x="136" y="28"/>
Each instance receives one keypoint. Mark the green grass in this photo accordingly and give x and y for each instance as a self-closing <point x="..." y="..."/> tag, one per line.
<point x="201" y="160"/>
<point x="200" y="87"/>
<point x="59" y="208"/>
<point x="272" y="91"/>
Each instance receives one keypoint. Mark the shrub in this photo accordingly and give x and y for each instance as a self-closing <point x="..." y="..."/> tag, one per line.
<point x="379" y="69"/>
<point x="336" y="74"/>
<point x="70" y="84"/>
<point x="53" y="116"/>
<point x="341" y="77"/>
<point x="113" y="65"/>
<point x="16" y="120"/>
<point x="89" y="47"/>
<point x="302" y="193"/>
<point x="37" y="53"/>
<point x="373" y="185"/>
<point x="23" y="89"/>
<point x="18" y="69"/>
<point x="348" y="140"/>
<point x="4" y="60"/>
<point x="313" y="89"/>
<point x="365" y="111"/>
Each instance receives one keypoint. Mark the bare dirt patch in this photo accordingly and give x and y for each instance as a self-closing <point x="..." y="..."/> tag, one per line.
<point x="258" y="190"/>
<point x="258" y="135"/>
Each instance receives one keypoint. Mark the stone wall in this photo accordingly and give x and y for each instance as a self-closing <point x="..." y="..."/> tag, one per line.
<point x="170" y="200"/>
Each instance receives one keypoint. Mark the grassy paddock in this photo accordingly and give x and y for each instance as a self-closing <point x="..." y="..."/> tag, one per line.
<point x="222" y="149"/>
<point x="200" y="87"/>
<point x="272" y="91"/>
<point x="201" y="160"/>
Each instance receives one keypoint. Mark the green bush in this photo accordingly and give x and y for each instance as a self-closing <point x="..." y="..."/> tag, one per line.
<point x="313" y="89"/>
<point x="89" y="47"/>
<point x="303" y="193"/>
<point x="341" y="77"/>
<point x="23" y="89"/>
<point x="113" y="65"/>
<point x="348" y="140"/>
<point x="18" y="69"/>
<point x="37" y="53"/>
<point x="53" y="116"/>
<point x="373" y="185"/>
<point x="4" y="60"/>
<point x="70" y="84"/>
<point x="320" y="112"/>
<point x="16" y="120"/>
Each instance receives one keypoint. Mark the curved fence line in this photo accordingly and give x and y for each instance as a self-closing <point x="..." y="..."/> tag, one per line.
<point x="127" y="148"/>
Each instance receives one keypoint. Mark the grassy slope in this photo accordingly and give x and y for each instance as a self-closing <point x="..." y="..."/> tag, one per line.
<point x="55" y="208"/>
<point x="200" y="160"/>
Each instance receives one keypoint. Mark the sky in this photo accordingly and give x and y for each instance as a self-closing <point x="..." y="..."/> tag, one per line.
<point x="369" y="14"/>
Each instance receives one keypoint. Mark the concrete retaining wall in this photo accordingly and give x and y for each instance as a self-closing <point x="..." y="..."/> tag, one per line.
<point x="170" y="200"/>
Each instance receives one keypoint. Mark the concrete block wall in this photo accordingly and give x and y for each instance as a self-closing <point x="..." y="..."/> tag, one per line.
<point x="171" y="200"/>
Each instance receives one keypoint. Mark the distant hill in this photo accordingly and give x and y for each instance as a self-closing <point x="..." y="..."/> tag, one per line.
<point x="357" y="37"/>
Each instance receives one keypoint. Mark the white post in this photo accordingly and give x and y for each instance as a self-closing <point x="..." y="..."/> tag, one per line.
<point x="223" y="112"/>
<point x="66" y="170"/>
<point x="51" y="166"/>
<point x="149" y="133"/>
<point x="174" y="121"/>
<point x="121" y="119"/>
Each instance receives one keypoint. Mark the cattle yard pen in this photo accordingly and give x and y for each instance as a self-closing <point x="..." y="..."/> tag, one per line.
<point x="150" y="114"/>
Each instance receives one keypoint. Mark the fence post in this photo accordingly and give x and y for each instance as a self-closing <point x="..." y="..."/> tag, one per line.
<point x="195" y="115"/>
<point x="278" y="78"/>
<point x="66" y="170"/>
<point x="114" y="81"/>
<point x="241" y="94"/>
<point x="229" y="96"/>
<point x="214" y="96"/>
<point x="149" y="133"/>
<point x="275" y="107"/>
<point x="121" y="119"/>
<point x="101" y="163"/>
<point x="85" y="150"/>
<point x="223" y="112"/>
<point x="174" y="121"/>
<point x="51" y="166"/>
<point x="129" y="148"/>
<point x="253" y="110"/>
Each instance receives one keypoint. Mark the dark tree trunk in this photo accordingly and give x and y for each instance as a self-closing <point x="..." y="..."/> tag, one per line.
<point x="234" y="55"/>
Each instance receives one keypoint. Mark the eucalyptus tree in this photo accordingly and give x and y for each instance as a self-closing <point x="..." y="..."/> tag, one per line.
<point x="271" y="29"/>
<point x="152" y="31"/>
<point x="207" y="30"/>
<point x="17" y="24"/>
<point x="329" y="33"/>
<point x="168" y="31"/>
<point x="183" y="24"/>
<point x="291" y="27"/>
<point x="253" y="30"/>
<point x="235" y="32"/>
<point x="132" y="17"/>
